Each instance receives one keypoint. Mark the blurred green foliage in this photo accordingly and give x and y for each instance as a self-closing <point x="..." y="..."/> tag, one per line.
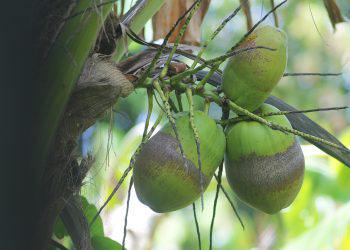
<point x="319" y="218"/>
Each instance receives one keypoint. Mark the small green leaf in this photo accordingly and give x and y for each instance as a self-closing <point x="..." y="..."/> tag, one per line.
<point x="90" y="210"/>
<point x="103" y="243"/>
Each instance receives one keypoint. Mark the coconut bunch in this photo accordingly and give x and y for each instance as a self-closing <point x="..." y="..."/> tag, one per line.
<point x="264" y="167"/>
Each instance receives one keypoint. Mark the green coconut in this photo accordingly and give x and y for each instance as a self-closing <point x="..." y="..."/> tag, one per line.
<point x="249" y="77"/>
<point x="264" y="167"/>
<point x="163" y="180"/>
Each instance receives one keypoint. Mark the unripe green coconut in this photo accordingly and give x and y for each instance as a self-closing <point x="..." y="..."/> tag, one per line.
<point x="163" y="180"/>
<point x="264" y="167"/>
<point x="249" y="77"/>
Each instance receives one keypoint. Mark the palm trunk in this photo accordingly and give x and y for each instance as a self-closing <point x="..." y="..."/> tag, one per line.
<point x="69" y="31"/>
<point x="75" y="90"/>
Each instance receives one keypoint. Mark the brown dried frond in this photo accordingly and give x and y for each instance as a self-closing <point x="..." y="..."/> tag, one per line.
<point x="168" y="15"/>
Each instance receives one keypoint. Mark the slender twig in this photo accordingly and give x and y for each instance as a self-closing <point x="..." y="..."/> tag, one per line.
<point x="231" y="202"/>
<point x="245" y="118"/>
<point x="197" y="226"/>
<point x="214" y="206"/>
<point x="127" y="212"/>
<point x="314" y="22"/>
<point x="308" y="136"/>
<point x="312" y="74"/>
<point x="304" y="111"/>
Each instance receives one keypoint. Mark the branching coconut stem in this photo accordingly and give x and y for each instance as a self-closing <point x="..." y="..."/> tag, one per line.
<point x="245" y="118"/>
<point x="169" y="115"/>
<point x="272" y="125"/>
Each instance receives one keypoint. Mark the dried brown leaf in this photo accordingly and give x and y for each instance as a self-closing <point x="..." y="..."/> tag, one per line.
<point x="168" y="15"/>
